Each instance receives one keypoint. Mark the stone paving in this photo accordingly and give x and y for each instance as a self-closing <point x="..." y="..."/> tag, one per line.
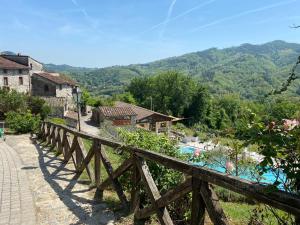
<point x="88" y="126"/>
<point x="57" y="195"/>
<point x="16" y="202"/>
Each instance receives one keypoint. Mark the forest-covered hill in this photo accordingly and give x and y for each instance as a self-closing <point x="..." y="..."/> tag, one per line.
<point x="251" y="70"/>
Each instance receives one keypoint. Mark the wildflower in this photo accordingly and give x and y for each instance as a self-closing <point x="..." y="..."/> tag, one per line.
<point x="229" y="166"/>
<point x="197" y="152"/>
<point x="290" y="124"/>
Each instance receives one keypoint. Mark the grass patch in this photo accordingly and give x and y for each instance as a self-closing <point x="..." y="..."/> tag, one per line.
<point x="114" y="158"/>
<point x="57" y="120"/>
<point x="238" y="213"/>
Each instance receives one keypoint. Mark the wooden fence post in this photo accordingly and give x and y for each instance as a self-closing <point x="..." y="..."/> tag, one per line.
<point x="78" y="154"/>
<point x="97" y="168"/>
<point x="198" y="205"/>
<point x="136" y="178"/>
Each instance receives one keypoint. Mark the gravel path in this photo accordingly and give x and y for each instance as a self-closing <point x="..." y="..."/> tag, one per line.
<point x="58" y="197"/>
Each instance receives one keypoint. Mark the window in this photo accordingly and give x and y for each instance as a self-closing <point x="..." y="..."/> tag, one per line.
<point x="60" y="87"/>
<point x="5" y="81"/>
<point x="30" y="65"/>
<point x="163" y="124"/>
<point x="46" y="88"/>
<point x="20" y="71"/>
<point x="20" y="80"/>
<point x="4" y="70"/>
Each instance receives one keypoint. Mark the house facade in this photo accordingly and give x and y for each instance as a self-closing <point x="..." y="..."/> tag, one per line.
<point x="14" y="76"/>
<point x="128" y="114"/>
<point x="51" y="85"/>
<point x="16" y="71"/>
<point x="117" y="116"/>
<point x="55" y="90"/>
<point x="150" y="120"/>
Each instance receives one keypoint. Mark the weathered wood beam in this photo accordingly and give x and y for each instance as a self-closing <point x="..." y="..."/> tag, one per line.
<point x="169" y="197"/>
<point x="97" y="162"/>
<point x="198" y="205"/>
<point x="71" y="150"/>
<point x="116" y="184"/>
<point x="135" y="191"/>
<point x="161" y="212"/>
<point x="85" y="163"/>
<point x="118" y="172"/>
<point x="212" y="204"/>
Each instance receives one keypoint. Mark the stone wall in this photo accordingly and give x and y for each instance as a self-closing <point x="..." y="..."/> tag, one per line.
<point x="13" y="77"/>
<point x="64" y="91"/>
<point x="34" y="65"/>
<point x="39" y="87"/>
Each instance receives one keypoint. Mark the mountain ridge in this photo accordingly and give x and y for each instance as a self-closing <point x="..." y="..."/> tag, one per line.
<point x="249" y="70"/>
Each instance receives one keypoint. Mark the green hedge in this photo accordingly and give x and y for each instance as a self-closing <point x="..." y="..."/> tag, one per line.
<point x="22" y="122"/>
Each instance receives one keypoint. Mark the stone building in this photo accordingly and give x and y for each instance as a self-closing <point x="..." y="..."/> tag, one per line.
<point x="51" y="85"/>
<point x="14" y="76"/>
<point x="16" y="71"/>
<point x="55" y="89"/>
<point x="128" y="114"/>
<point x="150" y="120"/>
<point x="118" y="116"/>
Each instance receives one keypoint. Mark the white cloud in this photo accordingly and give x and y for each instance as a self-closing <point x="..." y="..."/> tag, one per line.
<point x="247" y="12"/>
<point x="169" y="14"/>
<point x="178" y="16"/>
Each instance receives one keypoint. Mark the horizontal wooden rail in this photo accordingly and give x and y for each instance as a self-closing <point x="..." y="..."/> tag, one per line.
<point x="51" y="133"/>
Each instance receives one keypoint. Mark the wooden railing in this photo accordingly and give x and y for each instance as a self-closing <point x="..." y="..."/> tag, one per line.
<point x="198" y="180"/>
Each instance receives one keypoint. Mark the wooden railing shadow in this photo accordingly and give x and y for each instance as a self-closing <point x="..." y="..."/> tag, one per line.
<point x="54" y="171"/>
<point x="198" y="180"/>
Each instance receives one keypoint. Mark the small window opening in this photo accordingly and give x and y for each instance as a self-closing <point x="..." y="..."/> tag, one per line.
<point x="5" y="80"/>
<point x="20" y="80"/>
<point x="46" y="88"/>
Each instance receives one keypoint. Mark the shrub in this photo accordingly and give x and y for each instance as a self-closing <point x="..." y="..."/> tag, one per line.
<point x="164" y="178"/>
<point x="22" y="122"/>
<point x="38" y="105"/>
<point x="12" y="101"/>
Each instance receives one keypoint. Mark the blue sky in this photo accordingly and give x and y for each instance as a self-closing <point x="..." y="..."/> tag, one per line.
<point x="98" y="33"/>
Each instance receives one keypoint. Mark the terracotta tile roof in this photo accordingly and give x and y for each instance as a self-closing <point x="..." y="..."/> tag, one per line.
<point x="116" y="111"/>
<point x="55" y="78"/>
<point x="142" y="112"/>
<point x="8" y="64"/>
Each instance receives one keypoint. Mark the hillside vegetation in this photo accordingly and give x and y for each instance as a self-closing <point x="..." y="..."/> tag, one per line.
<point x="250" y="70"/>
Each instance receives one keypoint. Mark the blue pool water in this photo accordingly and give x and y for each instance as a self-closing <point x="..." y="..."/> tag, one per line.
<point x="268" y="177"/>
<point x="187" y="149"/>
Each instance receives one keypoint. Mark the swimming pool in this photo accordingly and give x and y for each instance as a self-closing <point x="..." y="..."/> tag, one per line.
<point x="187" y="149"/>
<point x="268" y="177"/>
